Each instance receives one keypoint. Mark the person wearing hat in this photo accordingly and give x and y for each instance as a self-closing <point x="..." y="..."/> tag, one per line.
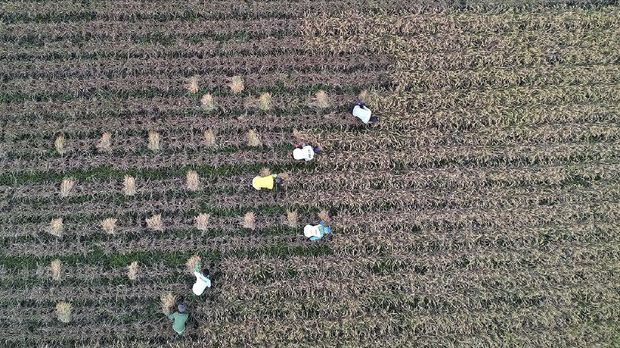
<point x="316" y="232"/>
<point x="202" y="279"/>
<point x="179" y="318"/>
<point x="361" y="111"/>
<point x="305" y="152"/>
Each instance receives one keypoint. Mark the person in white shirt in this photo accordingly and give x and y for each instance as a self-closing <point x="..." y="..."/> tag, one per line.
<point x="202" y="280"/>
<point x="316" y="232"/>
<point x="361" y="111"/>
<point x="305" y="152"/>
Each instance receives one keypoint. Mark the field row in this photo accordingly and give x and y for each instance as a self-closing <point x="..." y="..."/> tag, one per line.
<point x="420" y="82"/>
<point x="233" y="203"/>
<point x="112" y="52"/>
<point x="174" y="184"/>
<point x="403" y="26"/>
<point x="280" y="140"/>
<point x="135" y="11"/>
<point x="151" y="87"/>
<point x="230" y="164"/>
<point x="174" y="67"/>
<point x="349" y="222"/>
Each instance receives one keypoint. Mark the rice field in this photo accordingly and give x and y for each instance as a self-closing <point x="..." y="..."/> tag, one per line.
<point x="482" y="211"/>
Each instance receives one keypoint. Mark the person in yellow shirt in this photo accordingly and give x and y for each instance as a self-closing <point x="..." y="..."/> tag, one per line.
<point x="269" y="182"/>
<point x="266" y="182"/>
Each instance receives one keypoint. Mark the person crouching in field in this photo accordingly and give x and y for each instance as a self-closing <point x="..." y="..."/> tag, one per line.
<point x="202" y="279"/>
<point x="179" y="318"/>
<point x="269" y="182"/>
<point x="364" y="114"/>
<point x="305" y="152"/>
<point x="316" y="232"/>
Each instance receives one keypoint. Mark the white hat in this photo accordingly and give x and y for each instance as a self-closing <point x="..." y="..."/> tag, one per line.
<point x="311" y="231"/>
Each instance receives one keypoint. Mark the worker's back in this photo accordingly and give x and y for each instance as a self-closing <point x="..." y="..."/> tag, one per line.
<point x="178" y="321"/>
<point x="304" y="153"/>
<point x="362" y="112"/>
<point x="263" y="182"/>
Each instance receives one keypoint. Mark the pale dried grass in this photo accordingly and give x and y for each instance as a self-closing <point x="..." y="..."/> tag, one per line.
<point x="167" y="301"/>
<point x="63" y="311"/>
<point x="56" y="269"/>
<point x="155" y="223"/>
<point x="129" y="185"/>
<point x="132" y="270"/>
<point x="192" y="180"/>
<point x="292" y="219"/>
<point x="369" y="97"/>
<point x="249" y="221"/>
<point x="154" y="144"/>
<point x="253" y="138"/>
<point x="105" y="143"/>
<point x="191" y="263"/>
<point x="324" y="215"/>
<point x="59" y="144"/>
<point x="192" y="85"/>
<point x="202" y="222"/>
<point x="56" y="227"/>
<point x="66" y="186"/>
<point x="236" y="84"/>
<point x="109" y="225"/>
<point x="264" y="101"/>
<point x="321" y="99"/>
<point x="209" y="138"/>
<point x="208" y="102"/>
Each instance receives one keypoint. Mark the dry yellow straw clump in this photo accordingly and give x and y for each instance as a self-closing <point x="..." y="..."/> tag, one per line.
<point x="202" y="222"/>
<point x="192" y="86"/>
<point x="191" y="263"/>
<point x="236" y="84"/>
<point x="129" y="185"/>
<point x="105" y="143"/>
<point x="132" y="270"/>
<point x="208" y="102"/>
<point x="167" y="301"/>
<point x="192" y="180"/>
<point x="292" y="218"/>
<point x="56" y="269"/>
<point x="109" y="225"/>
<point x="253" y="138"/>
<point x="155" y="223"/>
<point x="321" y="99"/>
<point x="66" y="186"/>
<point x="249" y="221"/>
<point x="264" y="101"/>
<point x="63" y="311"/>
<point x="324" y="215"/>
<point x="59" y="144"/>
<point x="209" y="138"/>
<point x="264" y="172"/>
<point x="154" y="144"/>
<point x="56" y="227"/>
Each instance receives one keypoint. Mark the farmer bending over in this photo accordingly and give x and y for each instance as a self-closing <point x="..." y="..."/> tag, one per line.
<point x="364" y="114"/>
<point x="316" y="232"/>
<point x="267" y="182"/>
<point x="179" y="318"/>
<point x="202" y="279"/>
<point x="305" y="152"/>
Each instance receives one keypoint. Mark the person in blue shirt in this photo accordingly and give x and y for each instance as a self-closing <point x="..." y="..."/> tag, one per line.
<point x="316" y="232"/>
